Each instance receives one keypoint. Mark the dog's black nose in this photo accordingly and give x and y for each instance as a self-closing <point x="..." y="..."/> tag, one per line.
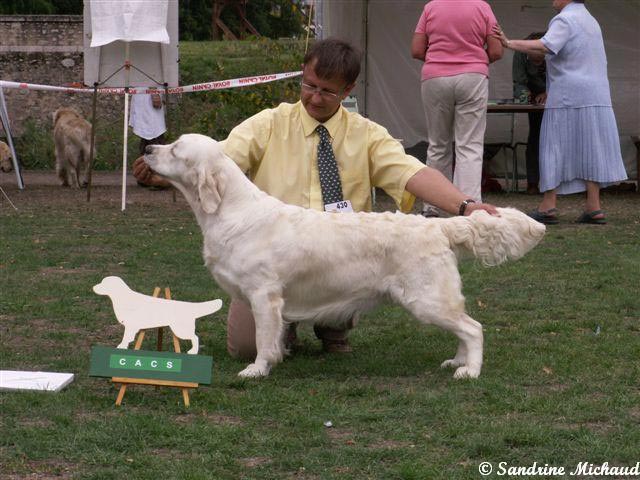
<point x="148" y="149"/>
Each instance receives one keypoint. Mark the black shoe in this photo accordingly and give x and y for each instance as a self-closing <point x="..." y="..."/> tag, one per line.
<point x="548" y="217"/>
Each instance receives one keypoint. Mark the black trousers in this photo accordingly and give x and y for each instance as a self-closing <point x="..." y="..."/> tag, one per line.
<point x="533" y="148"/>
<point x="154" y="141"/>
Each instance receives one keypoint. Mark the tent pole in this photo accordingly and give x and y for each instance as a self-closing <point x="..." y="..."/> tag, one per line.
<point x="93" y="137"/>
<point x="365" y="33"/>
<point x="4" y="119"/>
<point x="126" y="126"/>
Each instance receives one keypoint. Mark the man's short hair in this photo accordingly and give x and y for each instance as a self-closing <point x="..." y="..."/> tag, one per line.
<point x="334" y="58"/>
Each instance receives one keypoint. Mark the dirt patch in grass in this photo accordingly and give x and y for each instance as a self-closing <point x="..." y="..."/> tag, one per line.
<point x="34" y="422"/>
<point x="389" y="445"/>
<point x="598" y="428"/>
<point x="60" y="270"/>
<point x="252" y="462"/>
<point x="42" y="470"/>
<point x="345" y="437"/>
<point x="42" y="190"/>
<point x="214" y="418"/>
<point x="171" y="454"/>
<point x="546" y="389"/>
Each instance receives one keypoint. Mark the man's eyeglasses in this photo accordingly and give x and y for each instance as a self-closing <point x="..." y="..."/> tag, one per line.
<point x="326" y="94"/>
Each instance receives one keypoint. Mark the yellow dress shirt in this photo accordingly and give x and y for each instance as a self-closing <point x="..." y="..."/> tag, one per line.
<point x="278" y="150"/>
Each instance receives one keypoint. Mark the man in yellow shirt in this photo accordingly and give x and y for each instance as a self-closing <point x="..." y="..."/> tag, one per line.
<point x="278" y="149"/>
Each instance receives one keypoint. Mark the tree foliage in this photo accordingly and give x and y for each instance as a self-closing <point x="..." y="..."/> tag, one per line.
<point x="41" y="7"/>
<point x="272" y="18"/>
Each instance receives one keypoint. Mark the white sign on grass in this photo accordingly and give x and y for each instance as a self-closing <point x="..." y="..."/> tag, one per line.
<point x="44" y="381"/>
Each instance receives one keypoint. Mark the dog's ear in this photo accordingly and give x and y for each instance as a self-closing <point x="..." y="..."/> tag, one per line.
<point x="209" y="190"/>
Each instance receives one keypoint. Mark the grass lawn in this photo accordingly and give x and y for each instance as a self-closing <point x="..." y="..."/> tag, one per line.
<point x="560" y="383"/>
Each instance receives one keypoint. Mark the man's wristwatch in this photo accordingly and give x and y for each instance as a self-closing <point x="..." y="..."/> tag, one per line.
<point x="463" y="206"/>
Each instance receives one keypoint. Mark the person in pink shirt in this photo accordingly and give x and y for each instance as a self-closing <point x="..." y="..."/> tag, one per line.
<point x="453" y="39"/>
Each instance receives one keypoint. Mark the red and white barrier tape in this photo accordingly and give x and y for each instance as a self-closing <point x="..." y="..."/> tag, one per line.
<point x="198" y="87"/>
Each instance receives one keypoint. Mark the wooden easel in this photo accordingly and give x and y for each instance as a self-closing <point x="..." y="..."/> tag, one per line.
<point x="124" y="381"/>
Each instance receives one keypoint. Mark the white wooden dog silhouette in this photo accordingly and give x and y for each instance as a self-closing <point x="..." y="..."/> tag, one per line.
<point x="137" y="311"/>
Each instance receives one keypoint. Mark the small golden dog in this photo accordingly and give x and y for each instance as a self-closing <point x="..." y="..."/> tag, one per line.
<point x="72" y="138"/>
<point x="5" y="158"/>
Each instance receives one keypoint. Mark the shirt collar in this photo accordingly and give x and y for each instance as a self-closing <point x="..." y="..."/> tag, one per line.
<point x="309" y="123"/>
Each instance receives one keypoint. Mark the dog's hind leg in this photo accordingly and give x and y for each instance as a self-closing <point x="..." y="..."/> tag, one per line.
<point x="267" y="312"/>
<point x="195" y="344"/>
<point x="83" y="168"/>
<point x="186" y="330"/>
<point x="61" y="170"/>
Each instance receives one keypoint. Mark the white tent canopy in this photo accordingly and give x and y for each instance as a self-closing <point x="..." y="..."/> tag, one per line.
<point x="388" y="91"/>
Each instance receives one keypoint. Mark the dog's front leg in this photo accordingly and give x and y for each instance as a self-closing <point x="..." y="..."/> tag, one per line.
<point x="267" y="313"/>
<point x="468" y="359"/>
<point x="128" y="337"/>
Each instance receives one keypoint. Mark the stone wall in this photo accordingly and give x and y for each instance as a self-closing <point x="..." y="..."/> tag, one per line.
<point x="48" y="50"/>
<point x="41" y="32"/>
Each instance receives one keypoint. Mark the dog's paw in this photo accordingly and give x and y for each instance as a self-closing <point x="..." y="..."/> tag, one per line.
<point x="466" y="372"/>
<point x="452" y="363"/>
<point x="254" y="371"/>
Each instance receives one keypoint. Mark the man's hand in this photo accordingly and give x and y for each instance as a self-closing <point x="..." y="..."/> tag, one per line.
<point x="487" y="207"/>
<point x="431" y="186"/>
<point x="497" y="32"/>
<point x="156" y="100"/>
<point x="541" y="98"/>
<point x="146" y="176"/>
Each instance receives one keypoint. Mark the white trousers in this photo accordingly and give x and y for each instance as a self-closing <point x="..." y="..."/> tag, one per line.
<point x="456" y="111"/>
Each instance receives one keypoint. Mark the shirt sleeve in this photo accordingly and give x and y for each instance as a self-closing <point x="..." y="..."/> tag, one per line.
<point x="491" y="20"/>
<point x="247" y="142"/>
<point x="421" y="27"/>
<point x="557" y="35"/>
<point x="391" y="168"/>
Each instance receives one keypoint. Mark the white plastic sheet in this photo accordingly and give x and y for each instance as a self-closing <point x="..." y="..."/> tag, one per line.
<point x="129" y="21"/>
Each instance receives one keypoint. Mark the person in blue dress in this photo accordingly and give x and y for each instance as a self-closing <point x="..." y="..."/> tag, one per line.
<point x="579" y="142"/>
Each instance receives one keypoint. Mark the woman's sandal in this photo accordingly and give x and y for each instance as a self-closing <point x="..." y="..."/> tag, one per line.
<point x="548" y="217"/>
<point x="590" y="217"/>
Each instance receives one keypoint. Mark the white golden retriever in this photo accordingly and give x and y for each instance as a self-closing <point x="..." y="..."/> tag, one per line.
<point x="294" y="264"/>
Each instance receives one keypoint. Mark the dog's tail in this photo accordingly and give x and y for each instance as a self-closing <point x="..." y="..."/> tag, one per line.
<point x="207" y="308"/>
<point x="493" y="239"/>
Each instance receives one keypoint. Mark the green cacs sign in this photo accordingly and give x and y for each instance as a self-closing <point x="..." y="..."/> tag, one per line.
<point x="151" y="365"/>
<point x="148" y="364"/>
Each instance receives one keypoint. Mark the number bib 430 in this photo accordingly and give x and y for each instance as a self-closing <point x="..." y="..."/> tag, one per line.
<point x="340" y="207"/>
